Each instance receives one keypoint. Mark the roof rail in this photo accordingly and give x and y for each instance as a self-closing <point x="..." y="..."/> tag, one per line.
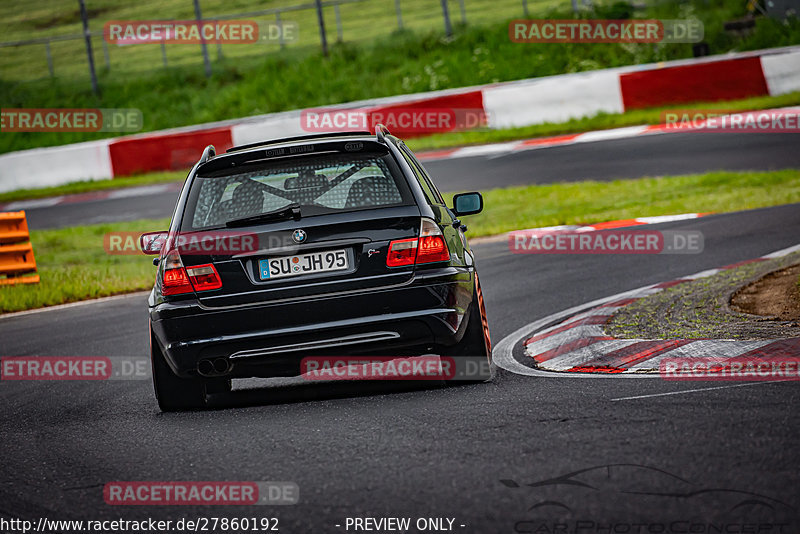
<point x="381" y="132"/>
<point x="208" y="153"/>
<point x="296" y="138"/>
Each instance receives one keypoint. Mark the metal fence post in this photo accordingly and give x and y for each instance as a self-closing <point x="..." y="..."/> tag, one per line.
<point x="164" y="53"/>
<point x="525" y="8"/>
<point x="399" y="14"/>
<point x="88" y="38"/>
<point x="199" y="18"/>
<point x="105" y="53"/>
<point x="49" y="58"/>
<point x="280" y="28"/>
<point x="463" y="12"/>
<point x="321" y="21"/>
<point x="448" y="28"/>
<point x="338" y="23"/>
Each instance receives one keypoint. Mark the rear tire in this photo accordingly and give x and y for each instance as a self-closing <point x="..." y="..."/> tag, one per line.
<point x="174" y="393"/>
<point x="476" y="341"/>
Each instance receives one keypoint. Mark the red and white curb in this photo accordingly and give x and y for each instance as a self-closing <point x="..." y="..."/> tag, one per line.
<point x="573" y="344"/>
<point x="94" y="196"/>
<point x="502" y="149"/>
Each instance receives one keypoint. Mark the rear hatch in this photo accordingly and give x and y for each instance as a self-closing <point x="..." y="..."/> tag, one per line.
<point x="287" y="228"/>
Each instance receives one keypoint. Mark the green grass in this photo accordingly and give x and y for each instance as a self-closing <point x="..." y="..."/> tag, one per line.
<point x="383" y="64"/>
<point x="439" y="141"/>
<point x="74" y="266"/>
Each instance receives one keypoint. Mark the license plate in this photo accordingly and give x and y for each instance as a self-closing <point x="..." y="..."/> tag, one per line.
<point x="313" y="262"/>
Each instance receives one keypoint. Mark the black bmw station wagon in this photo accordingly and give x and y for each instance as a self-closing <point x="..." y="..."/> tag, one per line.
<point x="326" y="244"/>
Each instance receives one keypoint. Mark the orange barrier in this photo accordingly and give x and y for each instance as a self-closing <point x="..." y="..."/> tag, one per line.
<point x="16" y="251"/>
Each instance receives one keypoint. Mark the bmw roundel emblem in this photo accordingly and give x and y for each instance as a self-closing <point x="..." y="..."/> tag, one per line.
<point x="299" y="236"/>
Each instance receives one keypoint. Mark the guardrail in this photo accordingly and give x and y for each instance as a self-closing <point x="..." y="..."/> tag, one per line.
<point x="16" y="252"/>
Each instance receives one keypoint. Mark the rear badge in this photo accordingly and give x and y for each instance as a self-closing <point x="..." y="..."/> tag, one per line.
<point x="371" y="252"/>
<point x="298" y="236"/>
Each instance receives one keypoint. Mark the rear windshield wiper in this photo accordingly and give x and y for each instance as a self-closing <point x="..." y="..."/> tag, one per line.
<point x="292" y="211"/>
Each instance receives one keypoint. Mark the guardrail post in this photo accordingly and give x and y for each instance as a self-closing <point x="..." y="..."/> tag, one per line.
<point x="525" y="8"/>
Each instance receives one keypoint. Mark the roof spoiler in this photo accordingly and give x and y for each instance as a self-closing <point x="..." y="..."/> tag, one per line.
<point x="296" y="138"/>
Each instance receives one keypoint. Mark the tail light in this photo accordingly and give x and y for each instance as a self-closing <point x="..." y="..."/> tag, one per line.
<point x="174" y="280"/>
<point x="428" y="248"/>
<point x="177" y="280"/>
<point x="204" y="277"/>
<point x="402" y="252"/>
<point x="432" y="246"/>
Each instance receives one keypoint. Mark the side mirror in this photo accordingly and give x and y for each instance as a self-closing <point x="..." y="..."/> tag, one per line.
<point x="467" y="203"/>
<point x="152" y="242"/>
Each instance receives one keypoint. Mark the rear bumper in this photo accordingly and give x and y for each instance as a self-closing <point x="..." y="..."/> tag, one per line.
<point x="271" y="339"/>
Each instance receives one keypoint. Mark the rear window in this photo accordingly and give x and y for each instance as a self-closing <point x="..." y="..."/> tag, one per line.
<point x="318" y="185"/>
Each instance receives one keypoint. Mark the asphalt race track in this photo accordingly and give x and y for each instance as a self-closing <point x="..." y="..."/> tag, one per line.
<point x="649" y="155"/>
<point x="623" y="452"/>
